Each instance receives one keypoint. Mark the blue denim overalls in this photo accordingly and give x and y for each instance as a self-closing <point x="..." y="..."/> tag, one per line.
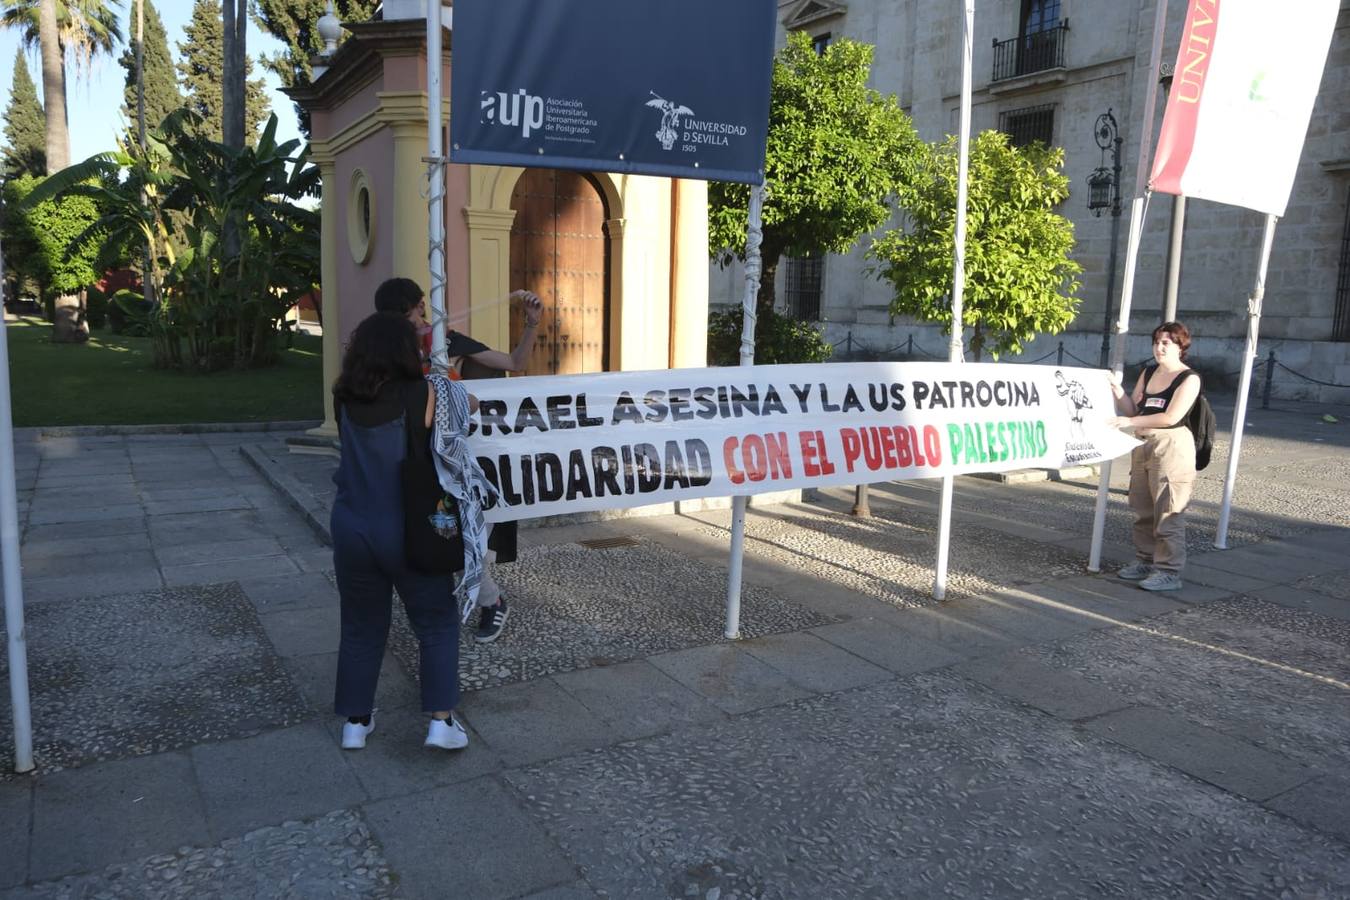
<point x="367" y="530"/>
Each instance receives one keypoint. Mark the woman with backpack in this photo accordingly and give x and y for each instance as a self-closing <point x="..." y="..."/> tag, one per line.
<point x="386" y="410"/>
<point x="1162" y="469"/>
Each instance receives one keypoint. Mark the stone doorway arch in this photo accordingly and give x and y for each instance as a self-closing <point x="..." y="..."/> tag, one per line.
<point x="560" y="250"/>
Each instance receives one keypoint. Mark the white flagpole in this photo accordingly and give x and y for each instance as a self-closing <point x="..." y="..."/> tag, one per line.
<point x="1249" y="355"/>
<point x="956" y="349"/>
<point x="753" y="238"/>
<point x="436" y="188"/>
<point x="1138" y="210"/>
<point x="9" y="559"/>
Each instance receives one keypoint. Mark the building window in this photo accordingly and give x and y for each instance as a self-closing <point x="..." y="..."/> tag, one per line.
<point x="1039" y="16"/>
<point x="805" y="276"/>
<point x="1029" y="124"/>
<point x="1340" y="330"/>
<point x="361" y="219"/>
<point x="1039" y="44"/>
<point x="820" y="42"/>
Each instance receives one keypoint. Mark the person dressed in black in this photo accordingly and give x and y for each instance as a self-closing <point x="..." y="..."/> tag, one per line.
<point x="383" y="403"/>
<point x="472" y="359"/>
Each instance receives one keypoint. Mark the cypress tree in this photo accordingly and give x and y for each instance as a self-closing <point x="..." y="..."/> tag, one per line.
<point x="25" y="127"/>
<point x="293" y="23"/>
<point x="201" y="66"/>
<point x="161" y="82"/>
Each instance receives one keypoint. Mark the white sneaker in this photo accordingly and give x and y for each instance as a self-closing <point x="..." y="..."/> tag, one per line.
<point x="446" y="734"/>
<point x="354" y="734"/>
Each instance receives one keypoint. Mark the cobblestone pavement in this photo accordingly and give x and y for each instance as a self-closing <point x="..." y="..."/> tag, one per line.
<point x="1044" y="732"/>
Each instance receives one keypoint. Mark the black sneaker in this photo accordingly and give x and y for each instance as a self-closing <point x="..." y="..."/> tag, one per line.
<point x="491" y="621"/>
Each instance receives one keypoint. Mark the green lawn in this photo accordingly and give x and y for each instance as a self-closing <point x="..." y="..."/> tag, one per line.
<point x="111" y="381"/>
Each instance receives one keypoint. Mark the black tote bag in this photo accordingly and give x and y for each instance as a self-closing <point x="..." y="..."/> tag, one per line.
<point x="432" y="541"/>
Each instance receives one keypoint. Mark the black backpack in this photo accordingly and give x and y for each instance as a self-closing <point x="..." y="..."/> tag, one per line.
<point x="1203" y="425"/>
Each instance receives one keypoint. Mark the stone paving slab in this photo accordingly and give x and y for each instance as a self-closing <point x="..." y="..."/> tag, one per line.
<point x="219" y="551"/>
<point x="60" y="588"/>
<point x="885" y="645"/>
<point x="814" y="663"/>
<point x="304" y="775"/>
<point x="729" y="676"/>
<point x="1306" y="600"/>
<point x="334" y="855"/>
<point x="1209" y="755"/>
<point x="1319" y="803"/>
<point x="1337" y="586"/>
<point x="637" y="700"/>
<point x="16" y="811"/>
<point x="230" y="570"/>
<point x="469" y="840"/>
<point x="534" y="721"/>
<point x="144" y="673"/>
<point x="87" y="818"/>
<point x="577" y="890"/>
<point x="1057" y="692"/>
<point x="1182" y="662"/>
<point x="923" y="787"/>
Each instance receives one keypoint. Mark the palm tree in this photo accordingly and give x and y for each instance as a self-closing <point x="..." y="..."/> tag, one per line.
<point x="82" y="29"/>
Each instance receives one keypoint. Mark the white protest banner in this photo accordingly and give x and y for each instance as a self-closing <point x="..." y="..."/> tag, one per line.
<point x="570" y="443"/>
<point x="1246" y="77"/>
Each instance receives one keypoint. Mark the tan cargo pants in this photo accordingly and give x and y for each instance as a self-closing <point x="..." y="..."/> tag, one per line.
<point x="1162" y="473"/>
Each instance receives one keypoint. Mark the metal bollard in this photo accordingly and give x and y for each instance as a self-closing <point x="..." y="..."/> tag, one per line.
<point x="861" y="508"/>
<point x="909" y="346"/>
<point x="1059" y="358"/>
<point x="1270" y="376"/>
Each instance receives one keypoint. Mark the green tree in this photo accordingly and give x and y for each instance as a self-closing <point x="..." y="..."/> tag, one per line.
<point x="292" y="22"/>
<point x="1020" y="281"/>
<point x="78" y="28"/>
<point x="161" y="81"/>
<point x="20" y="243"/>
<point x="837" y="153"/>
<point x="217" y="307"/>
<point x="201" y="65"/>
<point x="25" y="135"/>
<point x="62" y="240"/>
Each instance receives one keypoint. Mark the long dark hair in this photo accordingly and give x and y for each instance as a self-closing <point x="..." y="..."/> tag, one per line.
<point x="383" y="348"/>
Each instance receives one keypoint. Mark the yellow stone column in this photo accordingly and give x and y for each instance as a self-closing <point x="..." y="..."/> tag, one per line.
<point x="409" y="227"/>
<point x="615" y="228"/>
<point x="490" y="275"/>
<point x="689" y="280"/>
<point x="329" y="237"/>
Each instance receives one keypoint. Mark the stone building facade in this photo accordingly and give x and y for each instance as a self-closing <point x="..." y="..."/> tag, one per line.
<point x="1048" y="69"/>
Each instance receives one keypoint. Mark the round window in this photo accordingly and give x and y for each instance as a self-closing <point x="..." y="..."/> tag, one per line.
<point x="360" y="218"/>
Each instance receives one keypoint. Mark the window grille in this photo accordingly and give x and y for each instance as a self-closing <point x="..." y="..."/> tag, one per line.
<point x="805" y="275"/>
<point x="1340" y="330"/>
<point x="1029" y="124"/>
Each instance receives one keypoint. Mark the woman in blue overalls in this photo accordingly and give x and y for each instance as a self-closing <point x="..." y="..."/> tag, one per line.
<point x="380" y="393"/>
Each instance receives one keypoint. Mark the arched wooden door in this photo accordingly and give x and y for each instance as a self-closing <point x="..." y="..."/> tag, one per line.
<point x="558" y="250"/>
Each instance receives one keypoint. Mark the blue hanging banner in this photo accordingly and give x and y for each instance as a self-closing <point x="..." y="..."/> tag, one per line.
<point x="679" y="89"/>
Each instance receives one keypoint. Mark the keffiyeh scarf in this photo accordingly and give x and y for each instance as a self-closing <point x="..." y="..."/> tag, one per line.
<point x="461" y="478"/>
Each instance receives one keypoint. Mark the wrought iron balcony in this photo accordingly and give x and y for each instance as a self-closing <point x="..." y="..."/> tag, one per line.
<point x="1030" y="53"/>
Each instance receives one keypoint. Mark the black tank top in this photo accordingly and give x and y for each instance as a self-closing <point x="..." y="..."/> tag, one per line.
<point x="1156" y="403"/>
